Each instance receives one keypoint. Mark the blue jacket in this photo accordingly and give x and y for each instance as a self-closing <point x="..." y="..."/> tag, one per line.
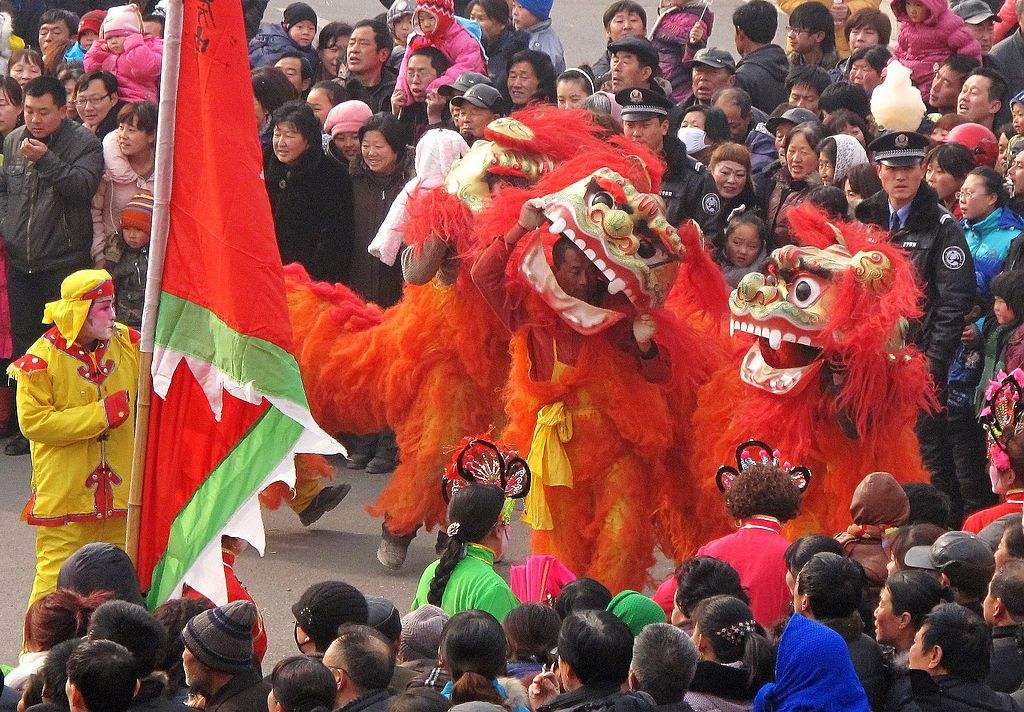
<point x="989" y="240"/>
<point x="271" y="42"/>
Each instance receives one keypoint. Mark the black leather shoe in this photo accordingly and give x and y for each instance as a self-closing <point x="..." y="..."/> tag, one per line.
<point x="327" y="499"/>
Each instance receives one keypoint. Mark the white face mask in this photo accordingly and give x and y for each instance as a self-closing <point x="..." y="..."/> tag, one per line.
<point x="694" y="139"/>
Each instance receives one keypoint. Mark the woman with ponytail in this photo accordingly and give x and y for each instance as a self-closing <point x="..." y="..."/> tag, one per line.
<point x="473" y="652"/>
<point x="736" y="656"/>
<point x="480" y="485"/>
<point x="464" y="577"/>
<point x="301" y="684"/>
<point x="906" y="598"/>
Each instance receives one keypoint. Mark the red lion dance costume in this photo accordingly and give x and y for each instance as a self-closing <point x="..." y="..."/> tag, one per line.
<point x="828" y="378"/>
<point x="432" y="367"/>
<point x="607" y="427"/>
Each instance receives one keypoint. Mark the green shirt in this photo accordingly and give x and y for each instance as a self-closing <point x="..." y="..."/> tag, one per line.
<point x="474" y="584"/>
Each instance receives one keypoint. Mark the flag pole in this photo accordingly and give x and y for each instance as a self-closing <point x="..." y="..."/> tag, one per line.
<point x="163" y="176"/>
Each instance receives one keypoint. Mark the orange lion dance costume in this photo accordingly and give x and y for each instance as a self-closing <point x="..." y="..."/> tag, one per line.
<point x="432" y="367"/>
<point x="828" y="378"/>
<point x="606" y="424"/>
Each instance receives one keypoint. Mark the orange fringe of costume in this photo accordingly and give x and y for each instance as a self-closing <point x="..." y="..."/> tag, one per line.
<point x="431" y="367"/>
<point x="629" y="447"/>
<point x="854" y="374"/>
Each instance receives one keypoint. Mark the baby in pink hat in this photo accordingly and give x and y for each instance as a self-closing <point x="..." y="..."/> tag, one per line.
<point x="133" y="58"/>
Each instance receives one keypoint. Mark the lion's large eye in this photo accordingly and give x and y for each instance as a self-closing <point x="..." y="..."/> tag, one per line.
<point x="602" y="198"/>
<point x="804" y="292"/>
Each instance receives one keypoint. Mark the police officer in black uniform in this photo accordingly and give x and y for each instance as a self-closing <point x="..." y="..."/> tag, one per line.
<point x="687" y="187"/>
<point x="918" y="223"/>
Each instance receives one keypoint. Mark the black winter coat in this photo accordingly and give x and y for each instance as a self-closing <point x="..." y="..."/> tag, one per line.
<point x="245" y="692"/>
<point x="762" y="73"/>
<point x="312" y="205"/>
<point x="500" y="51"/>
<point x="943" y="262"/>
<point x="370" y="702"/>
<point x="372" y="195"/>
<point x="919" y="692"/>
<point x="688" y="188"/>
<point x="593" y="699"/>
<point x="867" y="658"/>
<point x="1006" y="673"/>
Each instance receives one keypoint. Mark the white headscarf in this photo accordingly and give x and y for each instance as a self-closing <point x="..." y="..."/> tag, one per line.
<point x="849" y="153"/>
<point x="436" y="151"/>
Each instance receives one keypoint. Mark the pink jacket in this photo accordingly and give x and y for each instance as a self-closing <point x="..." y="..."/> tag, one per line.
<point x="923" y="46"/>
<point x="137" y="69"/>
<point x="455" y="43"/>
<point x="117" y="186"/>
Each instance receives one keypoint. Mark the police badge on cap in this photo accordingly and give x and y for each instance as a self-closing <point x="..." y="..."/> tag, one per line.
<point x="641" y="104"/>
<point x="899" y="148"/>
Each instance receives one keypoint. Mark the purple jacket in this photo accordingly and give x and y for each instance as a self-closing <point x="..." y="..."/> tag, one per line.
<point x="922" y="46"/>
<point x="671" y="36"/>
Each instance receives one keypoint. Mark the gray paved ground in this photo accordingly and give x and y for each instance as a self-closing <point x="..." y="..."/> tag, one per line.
<point x="343" y="544"/>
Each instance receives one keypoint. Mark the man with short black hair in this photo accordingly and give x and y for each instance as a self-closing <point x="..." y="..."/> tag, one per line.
<point x="58" y="30"/>
<point x="595" y="650"/>
<point x="622" y="18"/>
<point x="362" y="661"/>
<point x="634" y="63"/>
<point x="829" y="589"/>
<point x="97" y="102"/>
<point x="844" y="95"/>
<point x="747" y="126"/>
<point x="1004" y="611"/>
<point x="296" y="67"/>
<point x="370" y="79"/>
<point x="763" y="65"/>
<point x="664" y="663"/>
<point x="949" y="661"/>
<point x="948" y="81"/>
<point x="982" y="97"/>
<point x="804" y="86"/>
<point x="812" y="34"/>
<point x="51" y="170"/>
<point x="101" y="677"/>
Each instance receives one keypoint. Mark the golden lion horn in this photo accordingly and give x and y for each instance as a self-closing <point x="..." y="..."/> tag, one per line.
<point x="872" y="269"/>
<point x="839" y="236"/>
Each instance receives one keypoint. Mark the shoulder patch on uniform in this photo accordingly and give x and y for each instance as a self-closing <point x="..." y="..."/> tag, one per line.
<point x="711" y="203"/>
<point x="29" y="363"/>
<point x="953" y="257"/>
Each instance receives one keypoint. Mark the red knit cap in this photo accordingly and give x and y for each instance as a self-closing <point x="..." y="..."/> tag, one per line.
<point x="92" y="21"/>
<point x="440" y="8"/>
<point x="139" y="212"/>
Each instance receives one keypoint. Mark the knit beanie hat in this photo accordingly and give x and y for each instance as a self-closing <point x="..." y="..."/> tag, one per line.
<point x="221" y="638"/>
<point x="326" y="605"/>
<point x="348" y="116"/>
<point x="297" y="12"/>
<point x="139" y="212"/>
<point x="92" y="21"/>
<point x="421" y="633"/>
<point x="121" y="21"/>
<point x="541" y="9"/>
<point x="399" y="9"/>
<point x="636" y="610"/>
<point x="440" y="8"/>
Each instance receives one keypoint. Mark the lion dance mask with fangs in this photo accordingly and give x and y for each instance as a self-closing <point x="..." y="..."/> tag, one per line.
<point x="609" y="442"/>
<point x="431" y="367"/>
<point x="828" y="377"/>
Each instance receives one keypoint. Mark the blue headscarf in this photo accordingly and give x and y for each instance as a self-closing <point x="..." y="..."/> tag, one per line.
<point x="813" y="673"/>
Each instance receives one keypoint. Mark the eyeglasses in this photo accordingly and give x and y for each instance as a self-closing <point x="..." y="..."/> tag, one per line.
<point x="91" y="100"/>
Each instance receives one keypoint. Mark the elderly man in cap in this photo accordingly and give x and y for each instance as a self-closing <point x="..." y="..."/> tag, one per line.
<point x="918" y="223"/>
<point x="980" y="21"/>
<point x="963" y="561"/>
<point x="472" y="111"/>
<point x="463" y="83"/>
<point x="218" y="660"/>
<point x="634" y="63"/>
<point x="76" y="391"/>
<point x="687" y="186"/>
<point x="713" y="70"/>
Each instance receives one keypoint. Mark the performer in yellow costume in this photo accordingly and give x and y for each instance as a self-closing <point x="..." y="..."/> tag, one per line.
<point x="76" y="391"/>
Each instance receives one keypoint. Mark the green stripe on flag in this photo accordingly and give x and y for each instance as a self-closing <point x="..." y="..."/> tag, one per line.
<point x="269" y="441"/>
<point x="188" y="328"/>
